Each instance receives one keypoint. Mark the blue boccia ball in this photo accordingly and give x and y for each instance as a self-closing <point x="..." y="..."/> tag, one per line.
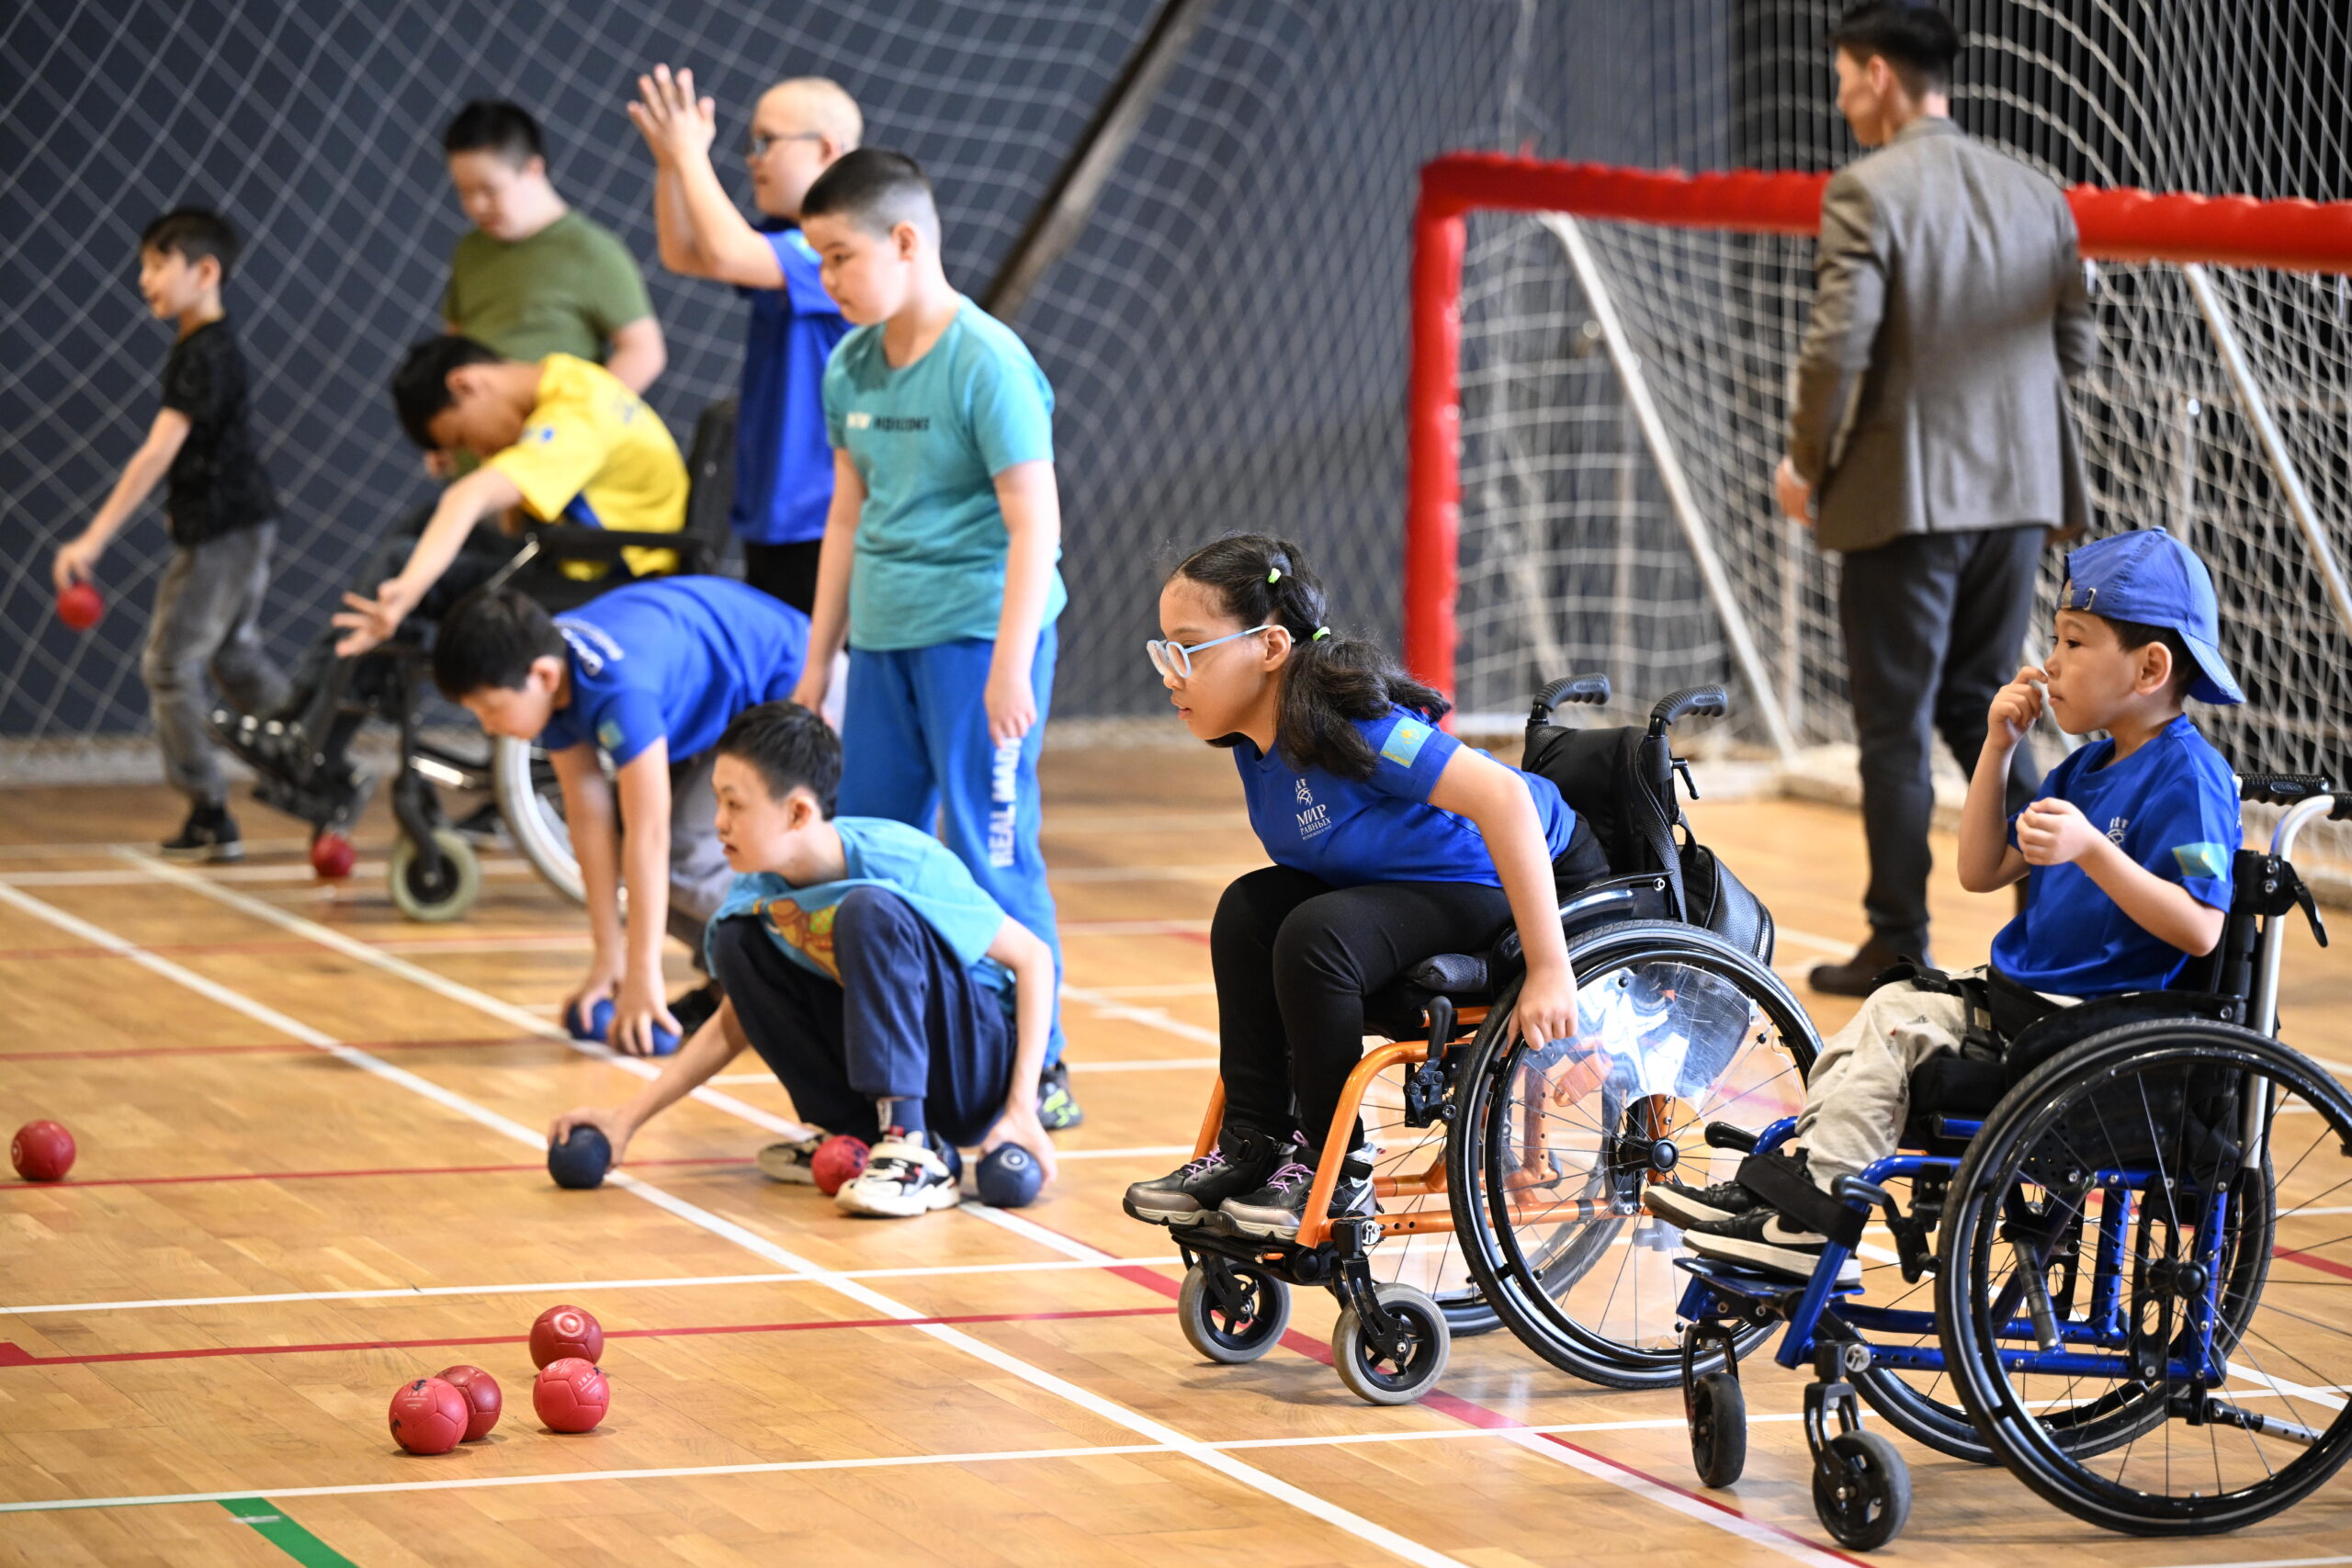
<point x="598" y="1026"/>
<point x="582" y="1159"/>
<point x="1010" y="1176"/>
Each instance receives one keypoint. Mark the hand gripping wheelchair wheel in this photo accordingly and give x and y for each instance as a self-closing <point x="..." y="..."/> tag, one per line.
<point x="1861" y="1490"/>
<point x="439" y="887"/>
<point x="1400" y="1373"/>
<point x="1230" y="1311"/>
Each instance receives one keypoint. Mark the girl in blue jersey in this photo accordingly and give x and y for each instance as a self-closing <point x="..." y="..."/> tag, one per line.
<point x="1391" y="842"/>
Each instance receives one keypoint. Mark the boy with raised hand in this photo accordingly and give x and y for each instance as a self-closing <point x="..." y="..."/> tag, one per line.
<point x="783" y="463"/>
<point x="648" y="675"/>
<point x="561" y="439"/>
<point x="890" y="996"/>
<point x="938" y="564"/>
<point x="2126" y="854"/>
<point x="533" y="277"/>
<point x="221" y="511"/>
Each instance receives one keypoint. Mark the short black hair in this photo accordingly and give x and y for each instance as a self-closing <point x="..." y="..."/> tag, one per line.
<point x="1917" y="40"/>
<point x="421" y="385"/>
<point x="489" y="638"/>
<point x="791" y="746"/>
<point x="193" y="233"/>
<point x="494" y="125"/>
<point x="877" y="189"/>
<point x="2136" y="635"/>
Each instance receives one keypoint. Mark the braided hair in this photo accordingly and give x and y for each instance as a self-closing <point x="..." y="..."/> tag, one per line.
<point x="1330" y="680"/>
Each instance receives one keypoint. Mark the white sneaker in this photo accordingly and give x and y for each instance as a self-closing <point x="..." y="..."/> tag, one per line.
<point x="902" y="1178"/>
<point x="792" y="1161"/>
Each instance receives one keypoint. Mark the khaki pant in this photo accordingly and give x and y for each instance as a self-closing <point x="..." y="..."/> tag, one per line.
<point x="1860" y="1092"/>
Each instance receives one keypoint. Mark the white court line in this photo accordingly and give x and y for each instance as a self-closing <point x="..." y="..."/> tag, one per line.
<point x="1165" y="1064"/>
<point x="1131" y="928"/>
<point x="883" y="1461"/>
<point x="362" y="871"/>
<point x="1106" y="1006"/>
<point x="560" y="1287"/>
<point x="2267" y="1563"/>
<point x="955" y="1338"/>
<point x="1117" y="873"/>
<point x="1178" y="989"/>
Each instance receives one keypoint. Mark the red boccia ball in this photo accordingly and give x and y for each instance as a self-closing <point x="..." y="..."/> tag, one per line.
<point x="570" y="1395"/>
<point x="484" y="1400"/>
<point x="79" y="607"/>
<point x="41" y="1151"/>
<point x="838" y="1159"/>
<point x="428" y="1416"/>
<point x="332" y="856"/>
<point x="563" y="1331"/>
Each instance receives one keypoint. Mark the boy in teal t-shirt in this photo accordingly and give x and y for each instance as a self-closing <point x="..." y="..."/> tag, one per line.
<point x="938" y="566"/>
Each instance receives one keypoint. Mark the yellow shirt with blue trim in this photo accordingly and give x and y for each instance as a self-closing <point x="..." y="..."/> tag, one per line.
<point x="593" y="454"/>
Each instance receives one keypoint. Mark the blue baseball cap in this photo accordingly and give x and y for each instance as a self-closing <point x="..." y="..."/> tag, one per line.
<point x="2152" y="577"/>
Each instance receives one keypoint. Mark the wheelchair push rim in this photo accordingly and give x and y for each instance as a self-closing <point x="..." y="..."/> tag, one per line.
<point x="2199" y="1146"/>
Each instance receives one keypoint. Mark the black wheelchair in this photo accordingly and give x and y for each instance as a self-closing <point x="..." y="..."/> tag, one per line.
<point x="2132" y="1224"/>
<point x="301" y="761"/>
<point x="1509" y="1181"/>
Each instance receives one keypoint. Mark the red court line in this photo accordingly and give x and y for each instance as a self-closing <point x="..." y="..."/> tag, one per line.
<point x="2325" y="1265"/>
<point x="331" y="1175"/>
<point x="1476" y="1415"/>
<point x="13" y="1355"/>
<point x="271" y="1047"/>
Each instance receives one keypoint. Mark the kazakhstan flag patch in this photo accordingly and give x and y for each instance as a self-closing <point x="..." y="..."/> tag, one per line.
<point x="1405" y="741"/>
<point x="2202" y="860"/>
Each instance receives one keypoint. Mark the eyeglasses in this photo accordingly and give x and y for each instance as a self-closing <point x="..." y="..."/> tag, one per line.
<point x="1174" y="660"/>
<point x="756" y="143"/>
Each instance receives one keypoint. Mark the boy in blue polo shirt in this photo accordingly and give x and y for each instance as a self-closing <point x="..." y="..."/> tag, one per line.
<point x="2126" y="856"/>
<point x="648" y="675"/>
<point x="939" y="558"/>
<point x="888" y="993"/>
<point x="784" y="462"/>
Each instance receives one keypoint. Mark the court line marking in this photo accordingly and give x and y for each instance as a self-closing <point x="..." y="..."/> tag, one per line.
<point x="389" y="1293"/>
<point x="886" y="1461"/>
<point x="1108" y="1006"/>
<point x="1307" y="1502"/>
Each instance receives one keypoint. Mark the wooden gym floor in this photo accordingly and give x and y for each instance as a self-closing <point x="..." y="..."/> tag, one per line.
<point x="311" y="1167"/>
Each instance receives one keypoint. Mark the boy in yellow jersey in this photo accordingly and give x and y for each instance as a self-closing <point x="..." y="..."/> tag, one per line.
<point x="560" y="438"/>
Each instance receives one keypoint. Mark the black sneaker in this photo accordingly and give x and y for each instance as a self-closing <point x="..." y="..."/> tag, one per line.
<point x="1239" y="1163"/>
<point x="485" y="828"/>
<point x="1276" y="1209"/>
<point x="1679" y="1203"/>
<point x="696" y="1007"/>
<point x="1763" y="1238"/>
<point x="1057" y="1107"/>
<point x="208" y="834"/>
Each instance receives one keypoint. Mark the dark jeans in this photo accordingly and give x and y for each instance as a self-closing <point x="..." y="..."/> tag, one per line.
<point x="784" y="571"/>
<point x="906" y="1020"/>
<point x="208" y="617"/>
<point x="1935" y="625"/>
<point x="1295" y="958"/>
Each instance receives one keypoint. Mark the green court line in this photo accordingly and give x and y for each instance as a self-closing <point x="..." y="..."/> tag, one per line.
<point x="281" y="1531"/>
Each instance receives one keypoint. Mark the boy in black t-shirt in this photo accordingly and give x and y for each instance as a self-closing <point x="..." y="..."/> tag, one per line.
<point x="222" y="515"/>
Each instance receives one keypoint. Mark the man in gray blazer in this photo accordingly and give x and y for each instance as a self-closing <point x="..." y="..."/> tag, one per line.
<point x="1929" y="439"/>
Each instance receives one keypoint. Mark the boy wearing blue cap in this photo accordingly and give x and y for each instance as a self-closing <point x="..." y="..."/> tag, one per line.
<point x="2126" y="855"/>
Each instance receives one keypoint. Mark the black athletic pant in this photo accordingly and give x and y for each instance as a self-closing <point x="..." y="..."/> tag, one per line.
<point x="1295" y="958"/>
<point x="1934" y="626"/>
<point x="784" y="571"/>
<point x="906" y="1020"/>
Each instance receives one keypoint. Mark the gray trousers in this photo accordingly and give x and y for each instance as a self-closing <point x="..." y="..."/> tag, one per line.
<point x="699" y="874"/>
<point x="1934" y="626"/>
<point x="208" y="617"/>
<point x="1860" y="1092"/>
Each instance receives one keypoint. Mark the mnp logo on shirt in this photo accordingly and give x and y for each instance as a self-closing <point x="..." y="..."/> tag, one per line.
<point x="1405" y="743"/>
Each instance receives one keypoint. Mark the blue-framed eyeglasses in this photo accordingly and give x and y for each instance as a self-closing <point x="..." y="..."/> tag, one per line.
<point x="1174" y="660"/>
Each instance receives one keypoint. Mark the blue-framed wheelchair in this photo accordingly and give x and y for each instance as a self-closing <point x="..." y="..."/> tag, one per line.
<point x="1509" y="1181"/>
<point x="2120" y="1225"/>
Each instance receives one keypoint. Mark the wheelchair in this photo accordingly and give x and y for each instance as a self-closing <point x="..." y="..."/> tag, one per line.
<point x="1509" y="1181"/>
<point x="301" y="761"/>
<point x="2121" y="1219"/>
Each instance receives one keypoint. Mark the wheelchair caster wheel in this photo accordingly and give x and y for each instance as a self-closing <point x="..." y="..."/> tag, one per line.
<point x="1239" y="1325"/>
<point x="1717" y="1412"/>
<point x="432" y="892"/>
<point x="1374" y="1376"/>
<point x="1861" y="1490"/>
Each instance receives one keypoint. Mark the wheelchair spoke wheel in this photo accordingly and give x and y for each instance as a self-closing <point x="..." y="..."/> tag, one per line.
<point x="1236" y="1318"/>
<point x="2165" y="1198"/>
<point x="1553" y="1147"/>
<point x="532" y="803"/>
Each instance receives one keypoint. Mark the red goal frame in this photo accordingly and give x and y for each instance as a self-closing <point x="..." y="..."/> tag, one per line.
<point x="2123" y="225"/>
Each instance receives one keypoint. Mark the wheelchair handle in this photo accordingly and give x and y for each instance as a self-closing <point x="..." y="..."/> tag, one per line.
<point x="2286" y="789"/>
<point x="1707" y="702"/>
<point x="1591" y="690"/>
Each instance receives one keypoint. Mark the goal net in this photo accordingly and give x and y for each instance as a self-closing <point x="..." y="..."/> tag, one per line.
<point x="1599" y="397"/>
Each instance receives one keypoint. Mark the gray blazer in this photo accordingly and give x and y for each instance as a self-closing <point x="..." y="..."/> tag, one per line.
<point x="1948" y="308"/>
